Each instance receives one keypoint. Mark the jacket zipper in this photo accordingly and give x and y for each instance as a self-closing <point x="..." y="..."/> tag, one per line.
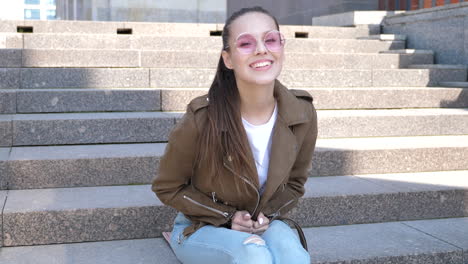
<point x="284" y="205"/>
<point x="213" y="194"/>
<point x="247" y="181"/>
<point x="225" y="214"/>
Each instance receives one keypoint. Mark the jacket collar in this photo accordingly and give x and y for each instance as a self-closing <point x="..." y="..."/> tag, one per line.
<point x="289" y="108"/>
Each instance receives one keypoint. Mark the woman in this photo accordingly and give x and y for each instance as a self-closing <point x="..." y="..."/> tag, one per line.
<point x="240" y="155"/>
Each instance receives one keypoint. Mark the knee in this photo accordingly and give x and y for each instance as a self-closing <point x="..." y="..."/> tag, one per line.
<point x="296" y="255"/>
<point x="254" y="250"/>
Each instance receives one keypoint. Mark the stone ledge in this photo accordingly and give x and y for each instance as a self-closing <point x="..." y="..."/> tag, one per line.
<point x="176" y="99"/>
<point x="408" y="51"/>
<point x="87" y="100"/>
<point x="422" y="243"/>
<point x="6" y="130"/>
<point x="454" y="84"/>
<point x="4" y="154"/>
<point x="97" y="165"/>
<point x="389" y="155"/>
<point x="7" y="101"/>
<point x="3" y="198"/>
<point x="438" y="66"/>
<point x="93" y="58"/>
<point x="386" y="37"/>
<point x="353" y="18"/>
<point x="171" y="29"/>
<point x="124" y="212"/>
<point x="145" y="127"/>
<point x="92" y="128"/>
<point x="152" y="42"/>
<point x="348" y="98"/>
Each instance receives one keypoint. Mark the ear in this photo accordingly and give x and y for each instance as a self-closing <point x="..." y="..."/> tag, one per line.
<point x="227" y="59"/>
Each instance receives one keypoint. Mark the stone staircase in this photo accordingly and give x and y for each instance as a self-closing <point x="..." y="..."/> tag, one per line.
<point x="85" y="114"/>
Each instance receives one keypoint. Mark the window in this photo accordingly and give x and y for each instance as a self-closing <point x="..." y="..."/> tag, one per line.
<point x="32" y="14"/>
<point x="50" y="2"/>
<point x="32" y="2"/>
<point x="51" y="14"/>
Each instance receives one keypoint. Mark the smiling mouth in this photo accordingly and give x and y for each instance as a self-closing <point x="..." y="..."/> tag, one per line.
<point x="261" y="64"/>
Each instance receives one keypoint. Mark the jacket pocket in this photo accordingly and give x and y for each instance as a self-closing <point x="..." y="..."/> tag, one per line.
<point x="225" y="214"/>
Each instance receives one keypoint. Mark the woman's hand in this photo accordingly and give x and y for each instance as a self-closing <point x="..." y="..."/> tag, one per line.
<point x="241" y="222"/>
<point x="261" y="224"/>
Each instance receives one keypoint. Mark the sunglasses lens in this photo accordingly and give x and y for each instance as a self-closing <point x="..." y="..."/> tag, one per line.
<point x="246" y="43"/>
<point x="274" y="41"/>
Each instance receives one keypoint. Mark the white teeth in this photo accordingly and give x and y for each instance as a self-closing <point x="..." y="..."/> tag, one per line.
<point x="261" y="64"/>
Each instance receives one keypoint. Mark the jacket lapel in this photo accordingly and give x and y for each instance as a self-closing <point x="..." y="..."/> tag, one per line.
<point x="284" y="146"/>
<point x="282" y="157"/>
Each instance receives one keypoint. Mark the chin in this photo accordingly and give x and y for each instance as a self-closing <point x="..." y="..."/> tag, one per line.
<point x="262" y="81"/>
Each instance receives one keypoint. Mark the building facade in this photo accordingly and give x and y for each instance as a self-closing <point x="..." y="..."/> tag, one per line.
<point x="192" y="11"/>
<point x="391" y="5"/>
<point x="293" y="12"/>
<point x="29" y="9"/>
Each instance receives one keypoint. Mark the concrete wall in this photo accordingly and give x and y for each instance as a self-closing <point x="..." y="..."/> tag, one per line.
<point x="300" y="12"/>
<point x="193" y="11"/>
<point x="441" y="29"/>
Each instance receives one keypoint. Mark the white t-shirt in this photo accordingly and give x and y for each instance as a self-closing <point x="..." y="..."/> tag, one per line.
<point x="260" y="142"/>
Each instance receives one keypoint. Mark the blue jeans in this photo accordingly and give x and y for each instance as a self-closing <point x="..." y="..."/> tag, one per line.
<point x="211" y="244"/>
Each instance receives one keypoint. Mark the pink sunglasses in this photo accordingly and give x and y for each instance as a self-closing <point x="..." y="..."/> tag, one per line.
<point x="246" y="43"/>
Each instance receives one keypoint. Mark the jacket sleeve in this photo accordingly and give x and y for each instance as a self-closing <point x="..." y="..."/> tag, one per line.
<point x="173" y="186"/>
<point x="288" y="196"/>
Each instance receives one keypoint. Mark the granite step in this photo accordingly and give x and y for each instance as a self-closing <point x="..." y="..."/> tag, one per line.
<point x="184" y="78"/>
<point x="119" y="164"/>
<point x="145" y="127"/>
<point x="89" y="128"/>
<point x="443" y="69"/>
<point x="400" y="242"/>
<point x="342" y="98"/>
<point x="71" y="215"/>
<point x="385" y="37"/>
<point x="454" y="84"/>
<point x="6" y="130"/>
<point x="408" y="51"/>
<point x="87" y="100"/>
<point x="16" y="58"/>
<point x="188" y="43"/>
<point x="156" y="99"/>
<point x="439" y="66"/>
<point x="11" y="40"/>
<point x="174" y="29"/>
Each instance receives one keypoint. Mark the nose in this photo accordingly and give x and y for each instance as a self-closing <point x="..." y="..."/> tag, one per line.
<point x="261" y="48"/>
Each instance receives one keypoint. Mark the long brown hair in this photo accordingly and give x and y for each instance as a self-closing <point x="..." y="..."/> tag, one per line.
<point x="225" y="135"/>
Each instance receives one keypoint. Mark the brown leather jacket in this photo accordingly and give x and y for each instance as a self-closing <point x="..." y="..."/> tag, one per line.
<point x="293" y="143"/>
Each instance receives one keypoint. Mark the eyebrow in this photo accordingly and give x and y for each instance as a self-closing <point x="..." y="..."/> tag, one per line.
<point x="262" y="33"/>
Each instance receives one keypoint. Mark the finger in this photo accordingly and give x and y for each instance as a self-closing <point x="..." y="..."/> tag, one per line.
<point x="261" y="222"/>
<point x="263" y="228"/>
<point x="265" y="219"/>
<point x="257" y="224"/>
<point x="242" y="228"/>
<point x="246" y="224"/>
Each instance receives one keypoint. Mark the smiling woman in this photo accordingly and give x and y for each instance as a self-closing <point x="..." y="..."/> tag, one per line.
<point x="238" y="160"/>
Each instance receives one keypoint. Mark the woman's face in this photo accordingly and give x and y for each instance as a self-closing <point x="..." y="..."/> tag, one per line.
<point x="261" y="66"/>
